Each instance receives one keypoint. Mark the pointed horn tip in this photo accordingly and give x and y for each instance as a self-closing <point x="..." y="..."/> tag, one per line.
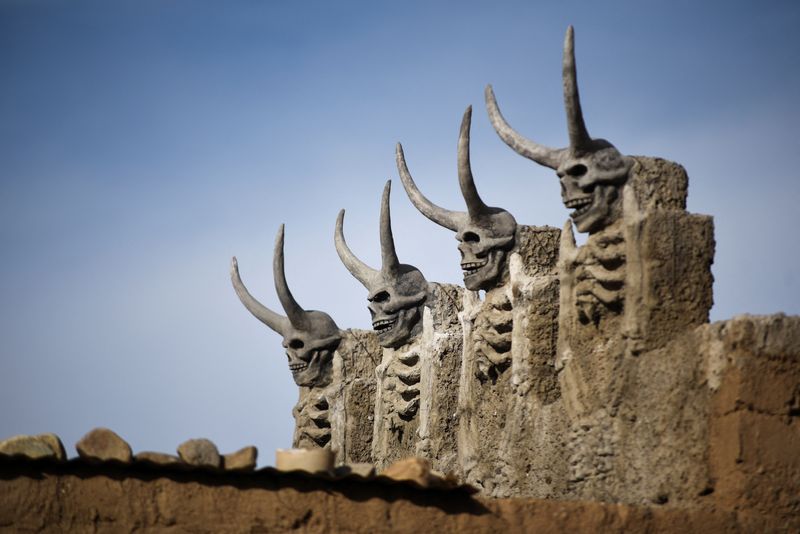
<point x="234" y="264"/>
<point x="339" y="220"/>
<point x="387" y="187"/>
<point x="466" y="120"/>
<point x="569" y="39"/>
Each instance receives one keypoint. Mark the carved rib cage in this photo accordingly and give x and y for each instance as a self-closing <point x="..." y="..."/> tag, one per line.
<point x="312" y="420"/>
<point x="599" y="270"/>
<point x="402" y="381"/>
<point x="491" y="335"/>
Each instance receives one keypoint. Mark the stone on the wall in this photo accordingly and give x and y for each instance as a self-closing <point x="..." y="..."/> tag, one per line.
<point x="102" y="444"/>
<point x="242" y="460"/>
<point x="34" y="447"/>
<point x="410" y="469"/>
<point x="200" y="452"/>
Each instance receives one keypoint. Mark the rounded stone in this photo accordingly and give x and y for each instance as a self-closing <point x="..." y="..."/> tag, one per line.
<point x="103" y="444"/>
<point x="200" y="452"/>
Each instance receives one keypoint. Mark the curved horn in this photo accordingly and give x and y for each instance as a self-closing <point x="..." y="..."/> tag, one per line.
<point x="475" y="205"/>
<point x="578" y="135"/>
<point x="449" y="219"/>
<point x="389" y="262"/>
<point x="360" y="270"/>
<point x="276" y="322"/>
<point x="543" y="155"/>
<point x="296" y="314"/>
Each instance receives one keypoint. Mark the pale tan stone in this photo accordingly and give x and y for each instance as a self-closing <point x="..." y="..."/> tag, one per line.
<point x="242" y="460"/>
<point x="411" y="469"/>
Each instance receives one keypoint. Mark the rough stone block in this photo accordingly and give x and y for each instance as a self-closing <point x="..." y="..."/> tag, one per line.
<point x="659" y="184"/>
<point x="103" y="444"/>
<point x="200" y="452"/>
<point x="242" y="460"/>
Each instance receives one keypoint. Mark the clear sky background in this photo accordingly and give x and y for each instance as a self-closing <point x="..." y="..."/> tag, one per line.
<point x="142" y="144"/>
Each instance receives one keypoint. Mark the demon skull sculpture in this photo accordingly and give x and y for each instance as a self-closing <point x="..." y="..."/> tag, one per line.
<point x="591" y="171"/>
<point x="485" y="234"/>
<point x="396" y="291"/>
<point x="309" y="337"/>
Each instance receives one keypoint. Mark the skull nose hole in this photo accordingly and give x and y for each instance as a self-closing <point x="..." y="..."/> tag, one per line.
<point x="380" y="297"/>
<point x="471" y="237"/>
<point x="577" y="170"/>
<point x="296" y="344"/>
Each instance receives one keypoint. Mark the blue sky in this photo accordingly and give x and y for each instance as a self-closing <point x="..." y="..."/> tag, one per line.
<point x="142" y="144"/>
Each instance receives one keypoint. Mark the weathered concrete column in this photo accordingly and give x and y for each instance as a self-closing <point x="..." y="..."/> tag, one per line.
<point x="442" y="341"/>
<point x="339" y="416"/>
<point x="352" y="396"/>
<point x="416" y="394"/>
<point x="509" y="406"/>
<point x="634" y="287"/>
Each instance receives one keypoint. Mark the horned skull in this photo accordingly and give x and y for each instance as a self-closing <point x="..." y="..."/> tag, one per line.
<point x="485" y="234"/>
<point x="397" y="291"/>
<point x="309" y="337"/>
<point x="591" y="171"/>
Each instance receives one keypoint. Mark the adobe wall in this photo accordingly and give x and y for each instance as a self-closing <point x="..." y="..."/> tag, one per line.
<point x="80" y="497"/>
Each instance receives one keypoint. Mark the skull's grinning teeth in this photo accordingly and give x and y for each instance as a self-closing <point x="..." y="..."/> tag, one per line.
<point x="294" y="367"/>
<point x="581" y="205"/>
<point x="473" y="266"/>
<point x="384" y="326"/>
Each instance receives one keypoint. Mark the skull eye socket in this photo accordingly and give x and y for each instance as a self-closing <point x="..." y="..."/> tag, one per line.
<point x="470" y="237"/>
<point x="296" y="344"/>
<point x="383" y="296"/>
<point x="577" y="170"/>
